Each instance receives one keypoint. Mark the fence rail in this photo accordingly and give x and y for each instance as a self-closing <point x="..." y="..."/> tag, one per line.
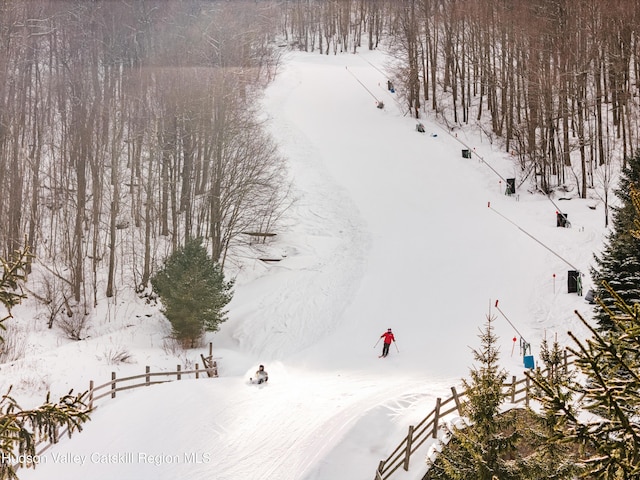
<point x="110" y="388"/>
<point x="516" y="391"/>
<point x="113" y="386"/>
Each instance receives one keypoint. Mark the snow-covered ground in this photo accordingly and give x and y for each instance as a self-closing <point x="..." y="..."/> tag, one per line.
<point x="390" y="229"/>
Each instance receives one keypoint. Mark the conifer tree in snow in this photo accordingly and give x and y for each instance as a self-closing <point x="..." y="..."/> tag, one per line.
<point x="609" y="362"/>
<point x="599" y="410"/>
<point x="193" y="292"/>
<point x="619" y="263"/>
<point x="479" y="450"/>
<point x="551" y="455"/>
<point x="14" y="274"/>
<point x="21" y="430"/>
<point x="553" y="360"/>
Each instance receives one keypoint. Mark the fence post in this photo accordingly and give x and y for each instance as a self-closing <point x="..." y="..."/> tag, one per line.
<point x="90" y="394"/>
<point x="197" y="372"/>
<point x="527" y="383"/>
<point x="178" y="374"/>
<point x="147" y="378"/>
<point x="379" y="470"/>
<point x="113" y="384"/>
<point x="211" y="349"/>
<point x="407" y="453"/>
<point x="456" y="398"/>
<point x="436" y="417"/>
<point x="513" y="389"/>
<point x="215" y="369"/>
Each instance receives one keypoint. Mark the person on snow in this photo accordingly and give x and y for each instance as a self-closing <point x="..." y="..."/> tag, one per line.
<point x="388" y="338"/>
<point x="261" y="375"/>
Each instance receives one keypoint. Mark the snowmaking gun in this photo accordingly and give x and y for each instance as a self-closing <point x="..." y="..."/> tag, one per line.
<point x="525" y="347"/>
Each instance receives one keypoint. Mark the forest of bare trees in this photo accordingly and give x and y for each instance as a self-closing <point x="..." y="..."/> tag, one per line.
<point x="554" y="81"/>
<point x="127" y="128"/>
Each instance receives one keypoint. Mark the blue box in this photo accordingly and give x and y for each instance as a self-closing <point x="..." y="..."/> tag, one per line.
<point x="529" y="362"/>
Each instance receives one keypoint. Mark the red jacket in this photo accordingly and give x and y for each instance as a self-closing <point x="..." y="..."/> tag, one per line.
<point x="388" y="337"/>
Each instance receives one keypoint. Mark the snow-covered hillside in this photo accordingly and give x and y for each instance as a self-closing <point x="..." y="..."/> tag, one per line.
<point x="390" y="229"/>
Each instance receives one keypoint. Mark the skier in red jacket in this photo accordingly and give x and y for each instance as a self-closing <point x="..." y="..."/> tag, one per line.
<point x="388" y="338"/>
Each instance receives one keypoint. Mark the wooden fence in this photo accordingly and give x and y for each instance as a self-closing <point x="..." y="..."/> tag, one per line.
<point x="110" y="388"/>
<point x="148" y="378"/>
<point x="516" y="392"/>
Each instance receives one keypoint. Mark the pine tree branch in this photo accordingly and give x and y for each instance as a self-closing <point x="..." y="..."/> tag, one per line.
<point x="21" y="430"/>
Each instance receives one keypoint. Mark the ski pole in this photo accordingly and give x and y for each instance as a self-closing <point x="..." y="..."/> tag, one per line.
<point x="377" y="342"/>
<point x="394" y="342"/>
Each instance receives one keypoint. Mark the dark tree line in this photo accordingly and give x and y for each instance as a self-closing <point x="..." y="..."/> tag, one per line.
<point x="619" y="263"/>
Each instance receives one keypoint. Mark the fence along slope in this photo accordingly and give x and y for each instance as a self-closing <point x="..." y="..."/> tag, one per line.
<point x="517" y="391"/>
<point x="110" y="388"/>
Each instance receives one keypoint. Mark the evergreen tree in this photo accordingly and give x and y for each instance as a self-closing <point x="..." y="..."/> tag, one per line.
<point x="552" y="456"/>
<point x="21" y="430"/>
<point x="553" y="360"/>
<point x="14" y="273"/>
<point x="193" y="292"/>
<point x="619" y="263"/>
<point x="481" y="449"/>
<point x="610" y="365"/>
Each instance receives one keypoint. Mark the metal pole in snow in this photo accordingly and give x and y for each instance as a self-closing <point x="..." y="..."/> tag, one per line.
<point x="558" y="210"/>
<point x="512" y="325"/>
<point x="529" y="235"/>
<point x="371" y="64"/>
<point x="363" y="85"/>
<point x="481" y="158"/>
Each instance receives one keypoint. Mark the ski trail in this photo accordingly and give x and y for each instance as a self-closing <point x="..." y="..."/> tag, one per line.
<point x="326" y="254"/>
<point x="330" y="406"/>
